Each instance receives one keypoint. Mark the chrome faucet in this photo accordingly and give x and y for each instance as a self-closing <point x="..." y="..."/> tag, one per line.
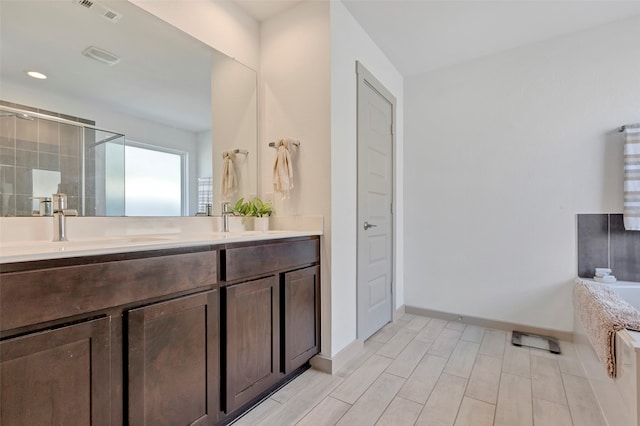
<point x="225" y="216"/>
<point x="60" y="213"/>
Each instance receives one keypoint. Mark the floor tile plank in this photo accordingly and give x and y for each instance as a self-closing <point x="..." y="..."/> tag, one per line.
<point x="546" y="381"/>
<point x="443" y="404"/>
<point x="475" y="413"/>
<point x="485" y="379"/>
<point x="583" y="405"/>
<point x="373" y="402"/>
<point x="456" y="325"/>
<point x="327" y="413"/>
<point x="515" y="406"/>
<point x="418" y="323"/>
<point x="400" y="412"/>
<point x="406" y="362"/>
<point x="445" y="343"/>
<point x="432" y="330"/>
<point x="462" y="359"/>
<point x="397" y="343"/>
<point x="516" y="361"/>
<point x="357" y="383"/>
<point x="423" y="379"/>
<point x="473" y="333"/>
<point x="493" y="343"/>
<point x="546" y="413"/>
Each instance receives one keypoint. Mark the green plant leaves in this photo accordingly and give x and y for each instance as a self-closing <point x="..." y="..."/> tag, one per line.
<point x="255" y="207"/>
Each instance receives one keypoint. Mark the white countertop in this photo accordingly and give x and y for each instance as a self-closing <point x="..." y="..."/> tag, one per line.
<point x="24" y="239"/>
<point x="39" y="250"/>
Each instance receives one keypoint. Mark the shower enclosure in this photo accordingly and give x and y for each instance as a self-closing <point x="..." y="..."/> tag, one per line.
<point x="45" y="153"/>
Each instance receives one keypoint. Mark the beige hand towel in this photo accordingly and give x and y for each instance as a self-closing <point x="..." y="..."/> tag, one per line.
<point x="229" y="180"/>
<point x="283" y="168"/>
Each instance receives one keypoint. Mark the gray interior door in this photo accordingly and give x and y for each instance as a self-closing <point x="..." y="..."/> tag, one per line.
<point x="375" y="224"/>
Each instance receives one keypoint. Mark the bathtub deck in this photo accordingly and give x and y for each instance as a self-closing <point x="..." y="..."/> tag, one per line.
<point x="420" y="370"/>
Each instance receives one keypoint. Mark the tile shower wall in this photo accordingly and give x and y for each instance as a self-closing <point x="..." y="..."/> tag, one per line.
<point x="603" y="242"/>
<point x="40" y="144"/>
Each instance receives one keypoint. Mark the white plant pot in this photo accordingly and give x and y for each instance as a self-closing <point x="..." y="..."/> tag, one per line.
<point x="261" y="224"/>
<point x="236" y="224"/>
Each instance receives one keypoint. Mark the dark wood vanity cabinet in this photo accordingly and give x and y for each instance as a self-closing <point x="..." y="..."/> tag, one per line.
<point x="57" y="377"/>
<point x="173" y="362"/>
<point x="116" y="339"/>
<point x="191" y="335"/>
<point x="271" y="305"/>
<point x="301" y="317"/>
<point x="253" y="340"/>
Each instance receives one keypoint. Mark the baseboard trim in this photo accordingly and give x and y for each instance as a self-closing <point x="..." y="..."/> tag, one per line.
<point x="567" y="336"/>
<point x="333" y="364"/>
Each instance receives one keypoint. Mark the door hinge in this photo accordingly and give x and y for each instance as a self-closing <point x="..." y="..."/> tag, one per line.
<point x="391" y="208"/>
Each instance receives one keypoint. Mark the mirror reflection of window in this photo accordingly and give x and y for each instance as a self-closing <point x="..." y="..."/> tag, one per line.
<point x="154" y="182"/>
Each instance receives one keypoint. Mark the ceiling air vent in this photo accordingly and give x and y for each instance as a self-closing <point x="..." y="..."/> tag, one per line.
<point x="101" y="55"/>
<point x="99" y="9"/>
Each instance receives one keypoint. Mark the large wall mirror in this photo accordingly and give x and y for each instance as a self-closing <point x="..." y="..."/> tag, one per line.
<point x="133" y="117"/>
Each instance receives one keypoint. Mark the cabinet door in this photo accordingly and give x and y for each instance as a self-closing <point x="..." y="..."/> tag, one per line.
<point x="57" y="377"/>
<point x="173" y="354"/>
<point x="252" y="353"/>
<point x="301" y="317"/>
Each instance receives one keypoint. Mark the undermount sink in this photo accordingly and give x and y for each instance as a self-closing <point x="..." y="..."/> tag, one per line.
<point x="251" y="233"/>
<point x="83" y="243"/>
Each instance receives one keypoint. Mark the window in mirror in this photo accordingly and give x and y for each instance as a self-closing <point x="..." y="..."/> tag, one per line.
<point x="154" y="181"/>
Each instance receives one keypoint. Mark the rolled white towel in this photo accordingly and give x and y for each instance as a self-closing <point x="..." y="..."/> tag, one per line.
<point x="601" y="272"/>
<point x="606" y="279"/>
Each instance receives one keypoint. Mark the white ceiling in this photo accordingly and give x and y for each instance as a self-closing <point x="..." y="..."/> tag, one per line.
<point x="423" y="35"/>
<point x="164" y="75"/>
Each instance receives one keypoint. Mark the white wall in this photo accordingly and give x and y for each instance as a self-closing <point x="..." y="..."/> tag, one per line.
<point x="234" y="106"/>
<point x="222" y="25"/>
<point x="350" y="43"/>
<point x="501" y="153"/>
<point x="294" y="88"/>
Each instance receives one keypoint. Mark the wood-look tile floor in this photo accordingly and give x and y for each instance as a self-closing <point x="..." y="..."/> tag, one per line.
<point x="427" y="371"/>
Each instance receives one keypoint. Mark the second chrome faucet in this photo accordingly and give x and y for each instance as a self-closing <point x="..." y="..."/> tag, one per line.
<point x="60" y="213"/>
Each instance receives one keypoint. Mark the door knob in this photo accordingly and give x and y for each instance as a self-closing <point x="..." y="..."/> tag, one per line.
<point x="368" y="225"/>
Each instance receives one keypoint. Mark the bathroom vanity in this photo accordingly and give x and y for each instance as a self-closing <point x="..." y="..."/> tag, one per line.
<point x="190" y="334"/>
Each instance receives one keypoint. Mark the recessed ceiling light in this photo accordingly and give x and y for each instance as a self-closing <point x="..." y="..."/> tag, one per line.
<point x="36" y="74"/>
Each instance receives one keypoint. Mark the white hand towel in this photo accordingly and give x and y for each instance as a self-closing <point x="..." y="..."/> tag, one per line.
<point x="283" y="168"/>
<point x="229" y="180"/>
<point x="632" y="178"/>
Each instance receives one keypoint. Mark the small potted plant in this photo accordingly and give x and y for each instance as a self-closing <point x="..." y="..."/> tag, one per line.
<point x="260" y="212"/>
<point x="256" y="208"/>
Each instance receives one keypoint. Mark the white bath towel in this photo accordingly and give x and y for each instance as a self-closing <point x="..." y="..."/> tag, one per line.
<point x="283" y="167"/>
<point x="229" y="180"/>
<point x="632" y="177"/>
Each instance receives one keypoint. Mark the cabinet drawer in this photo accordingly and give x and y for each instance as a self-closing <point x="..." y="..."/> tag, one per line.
<point x="251" y="261"/>
<point x="42" y="295"/>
